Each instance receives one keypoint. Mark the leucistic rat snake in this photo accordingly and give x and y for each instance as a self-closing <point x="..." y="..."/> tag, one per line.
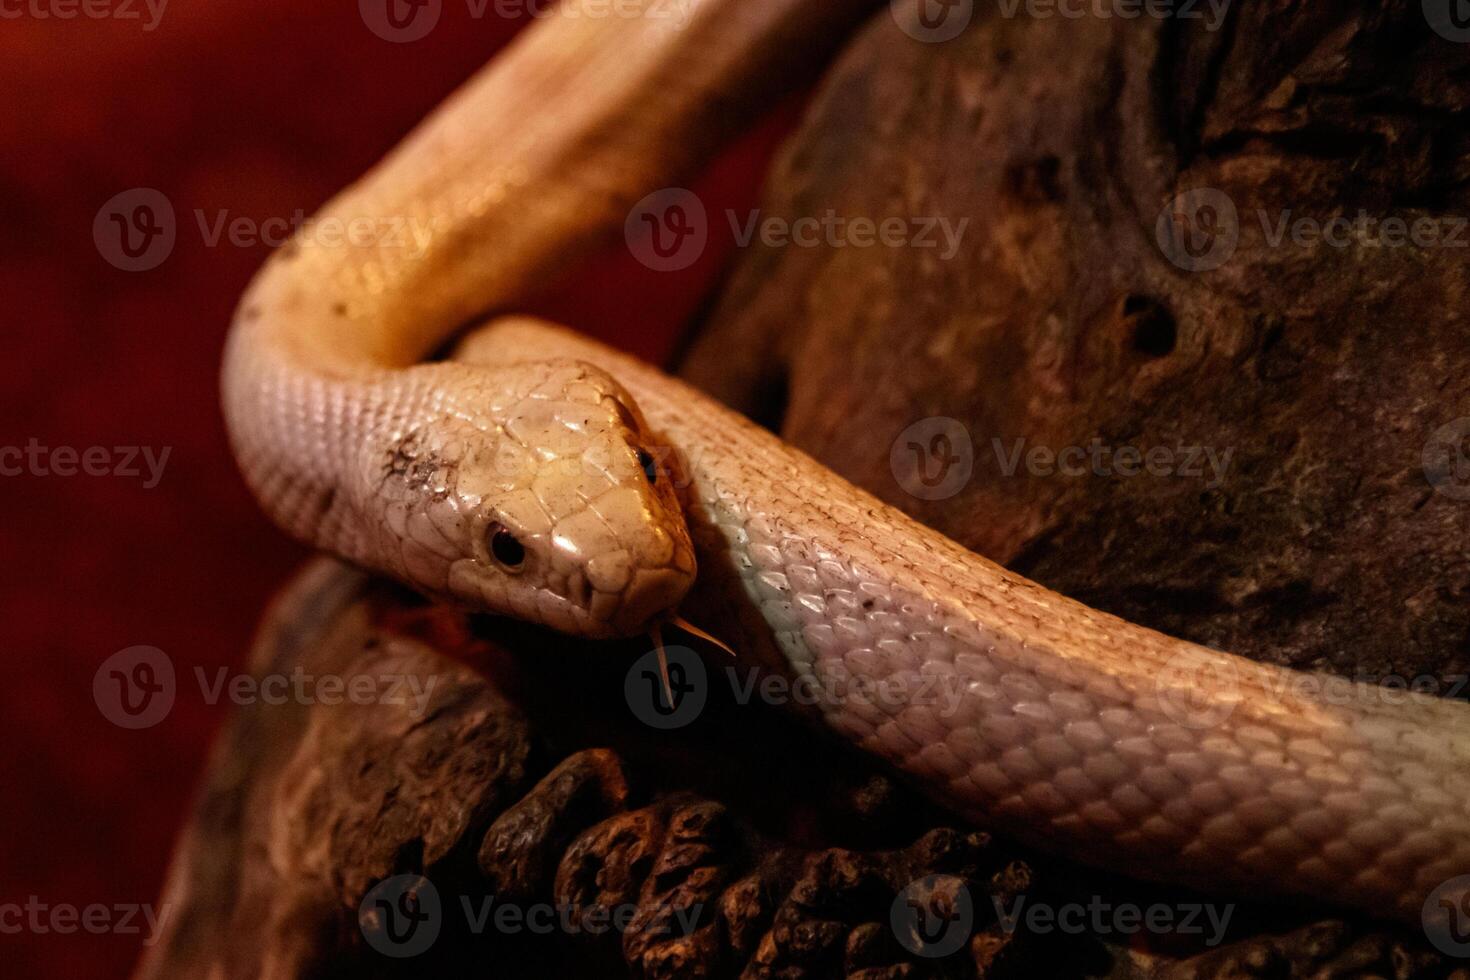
<point x="522" y="479"/>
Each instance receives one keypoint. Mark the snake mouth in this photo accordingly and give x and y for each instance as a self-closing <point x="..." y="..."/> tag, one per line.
<point x="650" y="597"/>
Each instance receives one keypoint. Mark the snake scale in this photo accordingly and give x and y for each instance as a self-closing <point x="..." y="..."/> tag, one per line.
<point x="527" y="478"/>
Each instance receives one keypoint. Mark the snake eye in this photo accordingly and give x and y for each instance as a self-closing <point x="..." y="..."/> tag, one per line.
<point x="650" y="468"/>
<point x="504" y="547"/>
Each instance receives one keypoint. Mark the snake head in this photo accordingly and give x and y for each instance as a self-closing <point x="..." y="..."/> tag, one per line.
<point x="533" y="492"/>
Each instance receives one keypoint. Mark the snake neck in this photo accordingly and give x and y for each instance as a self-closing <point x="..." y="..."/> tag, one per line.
<point x="480" y="206"/>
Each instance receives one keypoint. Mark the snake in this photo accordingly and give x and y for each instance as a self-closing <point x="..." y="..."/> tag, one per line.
<point x="530" y="476"/>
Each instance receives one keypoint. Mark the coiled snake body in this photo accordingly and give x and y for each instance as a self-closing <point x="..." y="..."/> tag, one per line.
<point x="524" y="480"/>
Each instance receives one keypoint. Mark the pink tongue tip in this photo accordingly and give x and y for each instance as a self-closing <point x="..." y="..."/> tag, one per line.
<point x="657" y="632"/>
<point x="688" y="627"/>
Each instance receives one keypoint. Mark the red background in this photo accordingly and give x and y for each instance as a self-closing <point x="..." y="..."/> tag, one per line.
<point x="257" y="109"/>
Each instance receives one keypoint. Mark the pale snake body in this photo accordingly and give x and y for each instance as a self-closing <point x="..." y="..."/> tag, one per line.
<point x="517" y="480"/>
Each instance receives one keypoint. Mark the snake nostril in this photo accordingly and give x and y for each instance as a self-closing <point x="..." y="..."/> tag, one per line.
<point x="504" y="547"/>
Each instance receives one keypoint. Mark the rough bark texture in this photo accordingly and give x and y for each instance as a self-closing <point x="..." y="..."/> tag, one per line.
<point x="1334" y="540"/>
